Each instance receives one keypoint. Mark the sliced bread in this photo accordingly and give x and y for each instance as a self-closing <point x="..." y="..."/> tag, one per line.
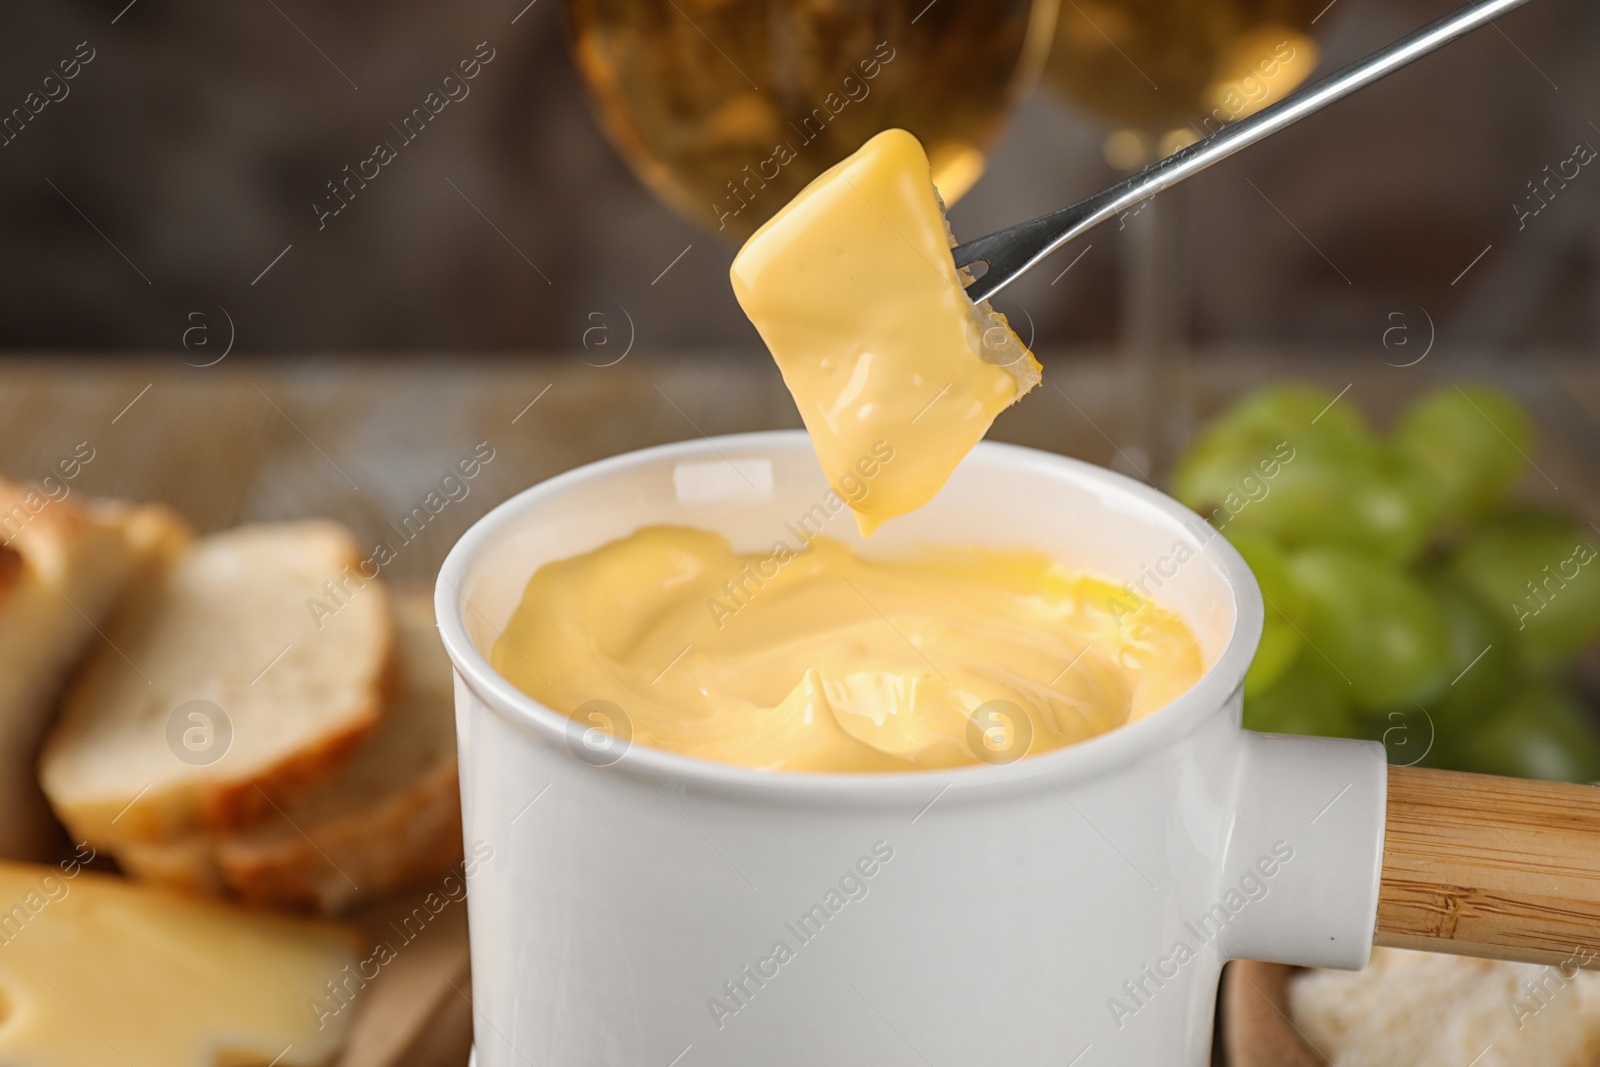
<point x="63" y="566"/>
<point x="241" y="677"/>
<point x="389" y="817"/>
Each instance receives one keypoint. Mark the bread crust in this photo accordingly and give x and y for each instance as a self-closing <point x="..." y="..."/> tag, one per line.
<point x="326" y="869"/>
<point x="407" y="839"/>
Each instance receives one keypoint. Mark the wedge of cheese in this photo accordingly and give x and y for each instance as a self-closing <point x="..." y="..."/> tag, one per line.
<point x="97" y="972"/>
<point x="896" y="372"/>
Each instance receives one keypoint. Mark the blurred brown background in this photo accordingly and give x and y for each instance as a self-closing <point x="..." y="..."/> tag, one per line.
<point x="186" y="156"/>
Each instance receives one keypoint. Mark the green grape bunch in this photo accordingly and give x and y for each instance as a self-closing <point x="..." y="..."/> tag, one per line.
<point x="1405" y="581"/>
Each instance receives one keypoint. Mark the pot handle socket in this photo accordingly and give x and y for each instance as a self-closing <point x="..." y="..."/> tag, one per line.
<point x="1299" y="879"/>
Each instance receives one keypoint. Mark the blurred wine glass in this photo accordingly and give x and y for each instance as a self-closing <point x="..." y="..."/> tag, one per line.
<point x="725" y="109"/>
<point x="1166" y="69"/>
<point x="1165" y="73"/>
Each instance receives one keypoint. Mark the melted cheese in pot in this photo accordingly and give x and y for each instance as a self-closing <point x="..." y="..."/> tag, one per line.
<point x="821" y="660"/>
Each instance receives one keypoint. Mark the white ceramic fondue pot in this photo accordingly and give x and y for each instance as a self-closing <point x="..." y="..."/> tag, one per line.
<point x="635" y="907"/>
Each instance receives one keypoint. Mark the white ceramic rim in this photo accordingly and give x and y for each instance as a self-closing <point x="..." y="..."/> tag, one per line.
<point x="1084" y="760"/>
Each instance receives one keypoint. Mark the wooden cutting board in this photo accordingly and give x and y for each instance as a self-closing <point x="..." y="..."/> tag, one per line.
<point x="418" y="1011"/>
<point x="1256" y="1030"/>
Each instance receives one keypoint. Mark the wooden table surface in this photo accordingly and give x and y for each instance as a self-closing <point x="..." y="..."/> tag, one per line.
<point x="366" y="438"/>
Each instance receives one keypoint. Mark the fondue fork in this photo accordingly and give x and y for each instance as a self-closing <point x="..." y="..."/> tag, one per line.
<point x="1011" y="251"/>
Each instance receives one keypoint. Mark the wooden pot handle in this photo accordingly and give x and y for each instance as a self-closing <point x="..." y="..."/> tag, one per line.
<point x="1497" y="867"/>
